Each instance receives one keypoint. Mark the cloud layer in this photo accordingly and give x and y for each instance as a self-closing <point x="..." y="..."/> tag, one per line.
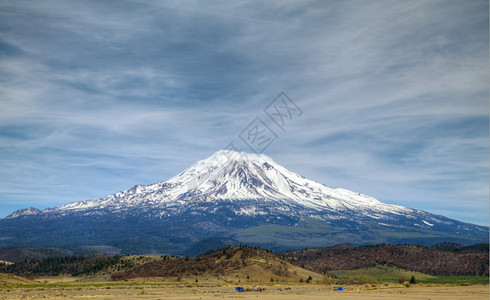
<point x="98" y="96"/>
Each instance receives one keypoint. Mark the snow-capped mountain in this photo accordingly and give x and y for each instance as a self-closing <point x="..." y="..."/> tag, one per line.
<point x="247" y="197"/>
<point x="237" y="177"/>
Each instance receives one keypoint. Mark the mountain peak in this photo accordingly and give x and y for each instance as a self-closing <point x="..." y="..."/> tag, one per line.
<point x="226" y="156"/>
<point x="24" y="212"/>
<point x="207" y="168"/>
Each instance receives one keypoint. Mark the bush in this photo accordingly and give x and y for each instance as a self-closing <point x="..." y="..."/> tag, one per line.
<point x="412" y="280"/>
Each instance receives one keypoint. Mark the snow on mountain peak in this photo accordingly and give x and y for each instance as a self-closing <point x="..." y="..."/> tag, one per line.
<point x="220" y="159"/>
<point x="24" y="212"/>
<point x="229" y="155"/>
<point x="245" y="178"/>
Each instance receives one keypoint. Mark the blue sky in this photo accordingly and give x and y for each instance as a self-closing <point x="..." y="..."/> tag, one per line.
<point x="96" y="96"/>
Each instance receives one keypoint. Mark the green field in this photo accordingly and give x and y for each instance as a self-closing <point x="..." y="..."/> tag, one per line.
<point x="393" y="274"/>
<point x="455" y="279"/>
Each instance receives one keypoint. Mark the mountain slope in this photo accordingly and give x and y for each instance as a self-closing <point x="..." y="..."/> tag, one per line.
<point x="233" y="176"/>
<point x="246" y="197"/>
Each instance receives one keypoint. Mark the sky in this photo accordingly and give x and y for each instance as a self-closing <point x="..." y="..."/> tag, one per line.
<point x="97" y="96"/>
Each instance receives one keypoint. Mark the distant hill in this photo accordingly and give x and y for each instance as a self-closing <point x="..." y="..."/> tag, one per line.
<point x="443" y="259"/>
<point x="227" y="265"/>
<point x="210" y="244"/>
<point x="21" y="254"/>
<point x="79" y="264"/>
<point x="231" y="264"/>
<point x="243" y="264"/>
<point x="459" y="248"/>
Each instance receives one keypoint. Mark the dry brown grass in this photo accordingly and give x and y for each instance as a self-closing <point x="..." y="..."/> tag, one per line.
<point x="271" y="292"/>
<point x="12" y="280"/>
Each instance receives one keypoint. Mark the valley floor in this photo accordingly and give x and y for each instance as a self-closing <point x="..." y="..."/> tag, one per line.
<point x="299" y="292"/>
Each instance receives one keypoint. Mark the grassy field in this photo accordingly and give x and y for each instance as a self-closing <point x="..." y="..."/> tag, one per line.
<point x="379" y="274"/>
<point x="264" y="291"/>
<point x="373" y="277"/>
<point x="12" y="281"/>
<point x="484" y="280"/>
<point x="393" y="274"/>
<point x="383" y="285"/>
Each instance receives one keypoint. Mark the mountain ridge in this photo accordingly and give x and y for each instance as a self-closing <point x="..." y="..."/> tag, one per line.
<point x="198" y="183"/>
<point x="233" y="195"/>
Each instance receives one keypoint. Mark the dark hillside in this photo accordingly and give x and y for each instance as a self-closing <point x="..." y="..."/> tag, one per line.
<point x="453" y="260"/>
<point x="21" y="254"/>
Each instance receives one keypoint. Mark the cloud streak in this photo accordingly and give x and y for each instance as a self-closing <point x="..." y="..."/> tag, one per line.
<point x="98" y="96"/>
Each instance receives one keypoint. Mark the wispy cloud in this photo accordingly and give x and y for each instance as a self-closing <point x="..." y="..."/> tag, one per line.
<point x="97" y="96"/>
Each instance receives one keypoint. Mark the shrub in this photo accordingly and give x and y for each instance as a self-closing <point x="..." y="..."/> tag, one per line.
<point x="412" y="279"/>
